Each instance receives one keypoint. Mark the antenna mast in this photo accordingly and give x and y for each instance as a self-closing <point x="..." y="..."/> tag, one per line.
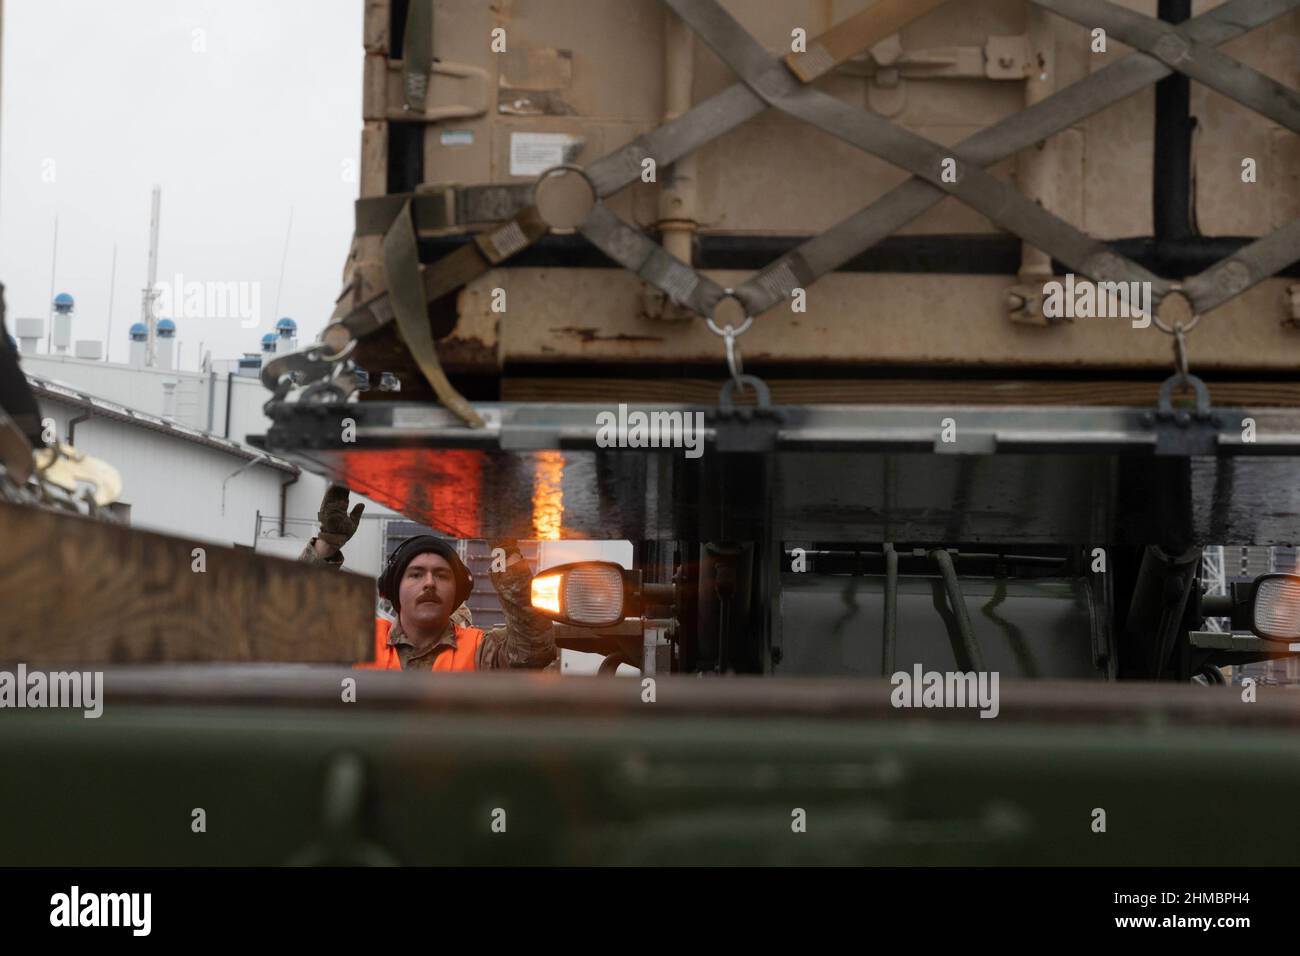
<point x="150" y="293"/>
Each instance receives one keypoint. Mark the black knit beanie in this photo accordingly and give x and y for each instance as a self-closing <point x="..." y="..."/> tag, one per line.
<point x="390" y="579"/>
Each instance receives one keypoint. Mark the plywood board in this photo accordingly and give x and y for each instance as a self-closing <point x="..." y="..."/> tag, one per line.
<point x="76" y="590"/>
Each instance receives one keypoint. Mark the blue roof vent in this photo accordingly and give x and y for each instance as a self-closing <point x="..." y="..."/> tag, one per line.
<point x="139" y="332"/>
<point x="63" y="302"/>
<point x="286" y="326"/>
<point x="166" y="328"/>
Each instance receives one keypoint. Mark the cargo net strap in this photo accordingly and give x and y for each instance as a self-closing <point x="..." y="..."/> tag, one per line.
<point x="1186" y="48"/>
<point x="771" y="82"/>
<point x="937" y="171"/>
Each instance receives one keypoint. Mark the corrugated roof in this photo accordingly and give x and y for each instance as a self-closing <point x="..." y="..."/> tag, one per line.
<point x="103" y="408"/>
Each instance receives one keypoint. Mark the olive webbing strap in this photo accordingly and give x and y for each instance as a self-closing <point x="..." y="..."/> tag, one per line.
<point x="407" y="295"/>
<point x="850" y="37"/>
<point x="417" y="54"/>
<point x="829" y="250"/>
<point x="1199" y="61"/>
<point x="1000" y="202"/>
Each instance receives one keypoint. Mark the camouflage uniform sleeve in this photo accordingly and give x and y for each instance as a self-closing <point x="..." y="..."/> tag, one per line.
<point x="309" y="556"/>
<point x="526" y="639"/>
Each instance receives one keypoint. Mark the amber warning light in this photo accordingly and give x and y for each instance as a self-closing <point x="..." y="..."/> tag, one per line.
<point x="588" y="593"/>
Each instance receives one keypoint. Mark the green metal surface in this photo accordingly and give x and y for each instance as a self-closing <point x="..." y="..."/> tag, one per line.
<point x="834" y="625"/>
<point x="588" y="773"/>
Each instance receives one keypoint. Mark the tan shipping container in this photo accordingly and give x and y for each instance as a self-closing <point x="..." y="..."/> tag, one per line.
<point x="573" y="80"/>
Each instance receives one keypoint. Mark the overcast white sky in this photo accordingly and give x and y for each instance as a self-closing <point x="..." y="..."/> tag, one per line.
<point x="257" y="112"/>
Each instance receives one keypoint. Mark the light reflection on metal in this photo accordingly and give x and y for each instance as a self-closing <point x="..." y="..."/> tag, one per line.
<point x="548" y="495"/>
<point x="819" y="495"/>
<point x="442" y="488"/>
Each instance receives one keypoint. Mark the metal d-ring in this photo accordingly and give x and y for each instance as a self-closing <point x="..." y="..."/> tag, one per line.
<point x="729" y="335"/>
<point x="1180" y="351"/>
<point x="737" y="385"/>
<point x="1165" y="398"/>
<point x="1160" y="324"/>
<point x="1182" y="379"/>
<point x="570" y="216"/>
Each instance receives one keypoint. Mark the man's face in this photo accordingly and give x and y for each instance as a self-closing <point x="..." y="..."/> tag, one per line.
<point x="427" y="594"/>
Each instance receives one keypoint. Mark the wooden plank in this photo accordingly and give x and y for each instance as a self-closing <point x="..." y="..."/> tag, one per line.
<point x="891" y="391"/>
<point x="76" y="590"/>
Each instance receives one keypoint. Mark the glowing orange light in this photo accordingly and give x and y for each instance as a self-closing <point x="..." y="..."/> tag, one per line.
<point x="548" y="495"/>
<point x="546" y="593"/>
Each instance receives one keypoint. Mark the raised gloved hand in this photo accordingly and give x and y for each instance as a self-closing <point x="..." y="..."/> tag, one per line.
<point x="509" y="547"/>
<point x="337" y="526"/>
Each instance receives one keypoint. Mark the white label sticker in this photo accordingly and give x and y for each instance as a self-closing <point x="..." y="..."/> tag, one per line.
<point x="457" y="137"/>
<point x="533" y="153"/>
<point x="406" y="416"/>
<point x="425" y="416"/>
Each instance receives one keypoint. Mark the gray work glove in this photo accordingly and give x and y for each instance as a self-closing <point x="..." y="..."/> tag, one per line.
<point x="337" y="526"/>
<point x="508" y="545"/>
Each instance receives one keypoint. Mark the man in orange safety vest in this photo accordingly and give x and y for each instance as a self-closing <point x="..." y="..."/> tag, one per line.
<point x="427" y="584"/>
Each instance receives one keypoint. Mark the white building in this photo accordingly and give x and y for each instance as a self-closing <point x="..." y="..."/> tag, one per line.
<point x="178" y="440"/>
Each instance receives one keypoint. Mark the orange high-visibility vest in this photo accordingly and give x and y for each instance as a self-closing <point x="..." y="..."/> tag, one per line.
<point x="464" y="657"/>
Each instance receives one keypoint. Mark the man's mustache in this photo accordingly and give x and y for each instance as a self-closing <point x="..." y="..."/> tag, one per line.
<point x="428" y="597"/>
